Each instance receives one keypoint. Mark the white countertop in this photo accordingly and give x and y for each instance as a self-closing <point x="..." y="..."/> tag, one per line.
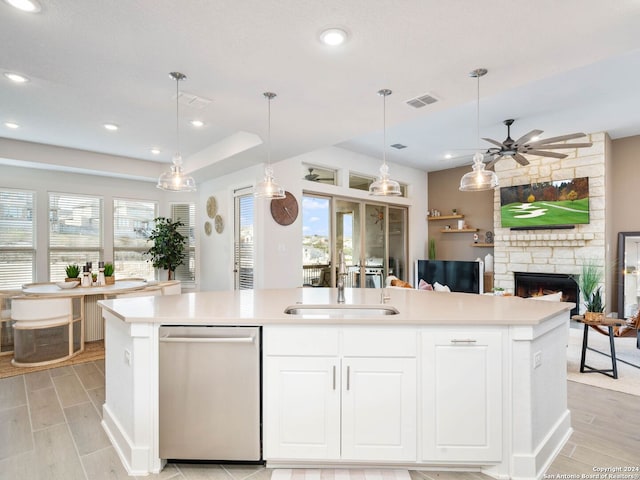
<point x="266" y="307"/>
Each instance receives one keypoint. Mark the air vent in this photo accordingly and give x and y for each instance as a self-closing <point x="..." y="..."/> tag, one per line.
<point x="422" y="100"/>
<point x="399" y="146"/>
<point x="193" y="101"/>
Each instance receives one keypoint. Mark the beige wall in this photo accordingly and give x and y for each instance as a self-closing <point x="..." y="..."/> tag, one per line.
<point x="624" y="197"/>
<point x="477" y="208"/>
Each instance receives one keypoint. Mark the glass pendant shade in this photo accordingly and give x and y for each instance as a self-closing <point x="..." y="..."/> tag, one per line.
<point x="268" y="188"/>
<point x="176" y="180"/>
<point x="384" y="185"/>
<point x="478" y="179"/>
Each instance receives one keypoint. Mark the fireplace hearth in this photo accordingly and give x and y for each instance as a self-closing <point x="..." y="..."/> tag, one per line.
<point x="535" y="284"/>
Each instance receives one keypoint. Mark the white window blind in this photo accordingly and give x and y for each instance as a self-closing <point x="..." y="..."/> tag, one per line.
<point x="132" y="224"/>
<point x="75" y="232"/>
<point x="186" y="213"/>
<point x="17" y="249"/>
<point x="244" y="263"/>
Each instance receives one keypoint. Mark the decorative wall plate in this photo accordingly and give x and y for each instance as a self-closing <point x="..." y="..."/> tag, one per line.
<point x="212" y="207"/>
<point x="207" y="228"/>
<point x="219" y="224"/>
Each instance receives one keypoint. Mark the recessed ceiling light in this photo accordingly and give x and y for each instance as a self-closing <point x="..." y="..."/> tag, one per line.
<point x="11" y="125"/>
<point x="155" y="151"/>
<point x="111" y="127"/>
<point x="333" y="36"/>
<point x="448" y="156"/>
<point x="197" y="123"/>
<point x="31" y="6"/>
<point x="16" y="77"/>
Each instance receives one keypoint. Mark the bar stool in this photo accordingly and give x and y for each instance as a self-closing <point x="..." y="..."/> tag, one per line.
<point x="46" y="330"/>
<point x="609" y="324"/>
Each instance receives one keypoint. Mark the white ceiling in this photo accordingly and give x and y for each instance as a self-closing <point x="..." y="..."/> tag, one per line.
<point x="558" y="66"/>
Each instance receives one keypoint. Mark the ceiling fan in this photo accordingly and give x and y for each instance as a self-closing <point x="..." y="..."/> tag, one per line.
<point x="524" y="145"/>
<point x="315" y="177"/>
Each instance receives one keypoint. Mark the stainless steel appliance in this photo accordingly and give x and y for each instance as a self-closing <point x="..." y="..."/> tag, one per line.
<point x="210" y="393"/>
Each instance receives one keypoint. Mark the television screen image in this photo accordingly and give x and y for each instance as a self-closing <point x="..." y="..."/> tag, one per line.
<point x="545" y="204"/>
<point x="458" y="275"/>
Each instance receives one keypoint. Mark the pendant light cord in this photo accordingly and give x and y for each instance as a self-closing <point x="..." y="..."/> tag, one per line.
<point x="177" y="116"/>
<point x="478" y="114"/>
<point x="384" y="128"/>
<point x="269" y="130"/>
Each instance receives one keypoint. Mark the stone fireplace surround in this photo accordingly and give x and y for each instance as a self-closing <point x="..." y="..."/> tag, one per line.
<point x="552" y="251"/>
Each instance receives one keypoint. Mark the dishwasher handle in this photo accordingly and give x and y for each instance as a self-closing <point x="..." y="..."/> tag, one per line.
<point x="207" y="339"/>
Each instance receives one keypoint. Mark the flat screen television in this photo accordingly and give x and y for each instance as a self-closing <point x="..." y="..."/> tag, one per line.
<point x="458" y="275"/>
<point x="554" y="204"/>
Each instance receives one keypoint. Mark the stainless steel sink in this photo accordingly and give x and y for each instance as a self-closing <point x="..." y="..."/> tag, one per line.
<point x="341" y="310"/>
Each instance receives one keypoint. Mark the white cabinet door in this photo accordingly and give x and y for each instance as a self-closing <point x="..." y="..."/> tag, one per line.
<point x="379" y="409"/>
<point x="462" y="395"/>
<point x="302" y="407"/>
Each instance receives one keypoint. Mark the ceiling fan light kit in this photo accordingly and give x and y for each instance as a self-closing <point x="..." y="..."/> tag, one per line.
<point x="478" y="179"/>
<point x="383" y="185"/>
<point x="175" y="180"/>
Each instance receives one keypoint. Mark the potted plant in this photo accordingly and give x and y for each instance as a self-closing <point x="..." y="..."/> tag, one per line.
<point x="109" y="277"/>
<point x="168" y="247"/>
<point x="73" y="272"/>
<point x="588" y="283"/>
<point x="595" y="307"/>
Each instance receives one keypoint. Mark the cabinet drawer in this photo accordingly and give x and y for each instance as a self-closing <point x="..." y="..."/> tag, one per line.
<point x="379" y="342"/>
<point x="307" y="341"/>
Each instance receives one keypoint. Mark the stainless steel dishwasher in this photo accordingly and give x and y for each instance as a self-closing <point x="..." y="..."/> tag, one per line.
<point x="210" y="393"/>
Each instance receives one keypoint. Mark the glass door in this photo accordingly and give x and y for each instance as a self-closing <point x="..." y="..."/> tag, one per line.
<point x="243" y="241"/>
<point x="398" y="234"/>
<point x="348" y="240"/>
<point x="374" y="236"/>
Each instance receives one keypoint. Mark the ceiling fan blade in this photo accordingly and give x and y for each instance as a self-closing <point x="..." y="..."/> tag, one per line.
<point x="563" y="145"/>
<point x="561" y="138"/>
<point x="520" y="159"/>
<point x="499" y="144"/>
<point x="542" y="153"/>
<point x="491" y="163"/>
<point x="526" y="138"/>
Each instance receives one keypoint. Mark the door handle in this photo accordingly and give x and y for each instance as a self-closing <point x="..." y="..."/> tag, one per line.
<point x="463" y="340"/>
<point x="334" y="377"/>
<point x="348" y="377"/>
<point x="206" y="339"/>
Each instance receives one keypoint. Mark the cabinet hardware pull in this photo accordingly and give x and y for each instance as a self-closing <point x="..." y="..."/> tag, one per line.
<point x="463" y="340"/>
<point x="334" y="377"/>
<point x="348" y="379"/>
<point x="206" y="339"/>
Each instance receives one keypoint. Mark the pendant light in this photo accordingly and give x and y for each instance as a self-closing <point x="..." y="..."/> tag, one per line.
<point x="479" y="179"/>
<point x="384" y="186"/>
<point x="176" y="180"/>
<point x="268" y="188"/>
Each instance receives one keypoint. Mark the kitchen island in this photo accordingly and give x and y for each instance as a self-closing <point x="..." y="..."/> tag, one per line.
<point x="469" y="382"/>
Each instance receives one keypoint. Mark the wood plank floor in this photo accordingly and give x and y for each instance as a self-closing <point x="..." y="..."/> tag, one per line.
<point x="50" y="429"/>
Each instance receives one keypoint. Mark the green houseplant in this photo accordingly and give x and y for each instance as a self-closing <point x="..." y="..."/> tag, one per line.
<point x="72" y="271"/>
<point x="589" y="283"/>
<point x="168" y="247"/>
<point x="109" y="278"/>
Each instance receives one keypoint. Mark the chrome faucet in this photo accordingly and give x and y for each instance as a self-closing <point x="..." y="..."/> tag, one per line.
<point x="342" y="273"/>
<point x="384" y="295"/>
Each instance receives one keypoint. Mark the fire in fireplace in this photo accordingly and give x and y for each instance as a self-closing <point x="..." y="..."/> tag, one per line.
<point x="535" y="284"/>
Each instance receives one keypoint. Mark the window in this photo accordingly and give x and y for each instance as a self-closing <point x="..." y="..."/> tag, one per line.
<point x="132" y="224"/>
<point x="316" y="241"/>
<point x="319" y="174"/>
<point x="17" y="250"/>
<point x="363" y="182"/>
<point x="75" y="231"/>
<point x="243" y="239"/>
<point x="186" y="213"/>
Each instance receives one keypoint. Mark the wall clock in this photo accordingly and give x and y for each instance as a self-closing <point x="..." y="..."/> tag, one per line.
<point x="219" y="224"/>
<point x="212" y="207"/>
<point x="207" y="228"/>
<point x="285" y="210"/>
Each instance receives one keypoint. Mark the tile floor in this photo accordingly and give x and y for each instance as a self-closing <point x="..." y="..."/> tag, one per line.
<point x="50" y="430"/>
